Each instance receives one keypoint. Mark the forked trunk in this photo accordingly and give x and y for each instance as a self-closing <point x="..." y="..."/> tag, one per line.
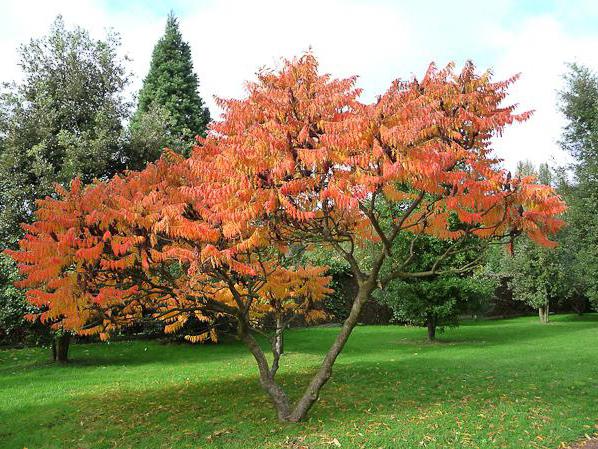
<point x="275" y="391"/>
<point x="298" y="412"/>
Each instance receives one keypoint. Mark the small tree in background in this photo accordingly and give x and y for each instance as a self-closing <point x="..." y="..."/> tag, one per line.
<point x="537" y="277"/>
<point x="169" y="95"/>
<point x="437" y="302"/>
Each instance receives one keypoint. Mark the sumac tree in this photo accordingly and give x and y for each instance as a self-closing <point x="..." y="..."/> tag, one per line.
<point x="298" y="161"/>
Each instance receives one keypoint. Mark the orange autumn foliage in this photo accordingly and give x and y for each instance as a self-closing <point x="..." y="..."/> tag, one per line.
<point x="303" y="148"/>
<point x="300" y="159"/>
<point x="97" y="257"/>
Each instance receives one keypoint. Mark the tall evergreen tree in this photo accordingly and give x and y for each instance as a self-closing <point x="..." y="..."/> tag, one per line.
<point x="170" y="111"/>
<point x="579" y="104"/>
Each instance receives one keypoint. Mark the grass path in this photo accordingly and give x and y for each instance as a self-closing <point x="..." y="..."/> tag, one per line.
<point x="496" y="384"/>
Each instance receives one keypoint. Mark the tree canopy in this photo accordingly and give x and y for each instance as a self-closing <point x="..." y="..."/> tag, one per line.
<point x="437" y="301"/>
<point x="579" y="104"/>
<point x="64" y="120"/>
<point x="299" y="160"/>
<point x="170" y="93"/>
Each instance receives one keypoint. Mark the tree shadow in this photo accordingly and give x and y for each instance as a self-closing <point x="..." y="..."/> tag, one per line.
<point x="484" y="334"/>
<point x="224" y="411"/>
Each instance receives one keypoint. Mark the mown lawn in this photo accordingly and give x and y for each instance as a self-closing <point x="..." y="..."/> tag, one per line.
<point x="495" y="384"/>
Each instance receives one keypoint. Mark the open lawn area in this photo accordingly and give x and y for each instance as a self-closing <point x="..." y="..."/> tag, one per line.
<point x="495" y="384"/>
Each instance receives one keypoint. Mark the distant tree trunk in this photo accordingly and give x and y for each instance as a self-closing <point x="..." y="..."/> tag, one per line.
<point x="578" y="305"/>
<point x="279" y="337"/>
<point x="60" y="348"/>
<point x="431" y="324"/>
<point x="543" y="313"/>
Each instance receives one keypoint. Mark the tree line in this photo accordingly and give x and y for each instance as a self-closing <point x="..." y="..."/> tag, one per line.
<point x="69" y="118"/>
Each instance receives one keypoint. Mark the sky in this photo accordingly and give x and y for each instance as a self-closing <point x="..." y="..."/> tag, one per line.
<point x="377" y="40"/>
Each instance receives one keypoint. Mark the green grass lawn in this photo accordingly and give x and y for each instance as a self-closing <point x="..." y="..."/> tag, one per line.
<point x="494" y="384"/>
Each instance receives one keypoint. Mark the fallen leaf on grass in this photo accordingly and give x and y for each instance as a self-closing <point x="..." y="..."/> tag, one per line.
<point x="218" y="433"/>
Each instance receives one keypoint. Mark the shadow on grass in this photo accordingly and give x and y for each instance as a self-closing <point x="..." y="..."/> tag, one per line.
<point x="238" y="409"/>
<point x="122" y="353"/>
<point x="495" y="333"/>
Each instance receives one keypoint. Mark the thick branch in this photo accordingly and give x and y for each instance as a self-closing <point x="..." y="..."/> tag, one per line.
<point x="275" y="391"/>
<point x="311" y="393"/>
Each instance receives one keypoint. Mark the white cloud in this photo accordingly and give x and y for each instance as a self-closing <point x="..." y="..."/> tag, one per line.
<point x="26" y="19"/>
<point x="232" y="39"/>
<point x="538" y="49"/>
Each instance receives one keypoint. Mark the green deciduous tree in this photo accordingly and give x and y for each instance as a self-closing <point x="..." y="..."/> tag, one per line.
<point x="438" y="301"/>
<point x="170" y="95"/>
<point x="63" y="120"/>
<point x="579" y="104"/>
<point x="538" y="276"/>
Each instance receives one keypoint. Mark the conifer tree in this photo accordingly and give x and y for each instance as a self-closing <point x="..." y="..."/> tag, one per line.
<point x="170" y="95"/>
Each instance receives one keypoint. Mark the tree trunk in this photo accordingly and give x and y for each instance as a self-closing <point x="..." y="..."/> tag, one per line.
<point x="431" y="323"/>
<point x="543" y="313"/>
<point x="277" y="345"/>
<point x="60" y="348"/>
<point x="311" y="393"/>
<point x="285" y="412"/>
<point x="275" y="391"/>
<point x="279" y="337"/>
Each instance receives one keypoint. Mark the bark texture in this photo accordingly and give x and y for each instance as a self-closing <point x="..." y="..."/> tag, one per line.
<point x="60" y="348"/>
<point x="543" y="313"/>
<point x="431" y="324"/>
